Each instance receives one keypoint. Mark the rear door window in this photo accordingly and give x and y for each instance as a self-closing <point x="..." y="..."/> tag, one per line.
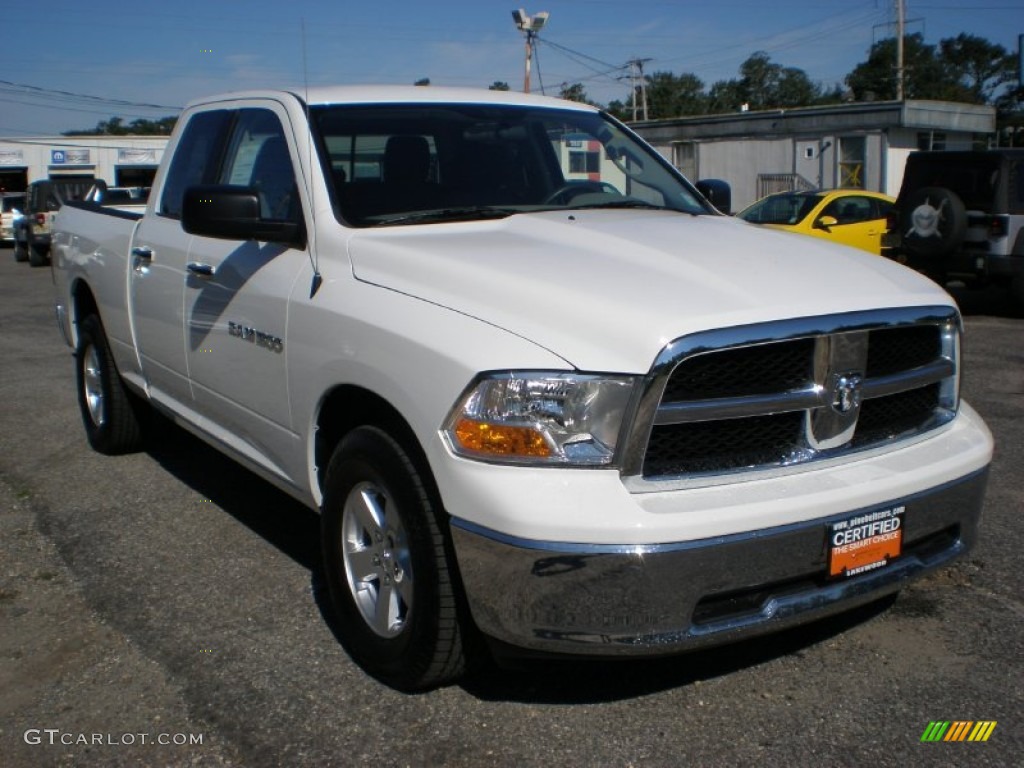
<point x="258" y="157"/>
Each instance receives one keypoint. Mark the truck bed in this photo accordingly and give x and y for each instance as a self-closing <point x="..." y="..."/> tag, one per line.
<point x="94" y="242"/>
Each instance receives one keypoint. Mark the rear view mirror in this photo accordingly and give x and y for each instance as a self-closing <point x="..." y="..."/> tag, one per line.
<point x="232" y="212"/>
<point x="718" y="193"/>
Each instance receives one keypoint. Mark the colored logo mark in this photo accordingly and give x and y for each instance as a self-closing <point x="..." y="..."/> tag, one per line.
<point x="958" y="730"/>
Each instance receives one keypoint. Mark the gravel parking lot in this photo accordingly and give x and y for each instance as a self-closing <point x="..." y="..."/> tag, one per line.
<point x="164" y="608"/>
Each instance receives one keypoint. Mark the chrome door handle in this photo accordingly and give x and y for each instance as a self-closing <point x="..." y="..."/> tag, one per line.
<point x="141" y="257"/>
<point x="203" y="270"/>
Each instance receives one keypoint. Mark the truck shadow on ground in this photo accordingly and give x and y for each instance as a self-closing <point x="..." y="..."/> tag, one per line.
<point x="294" y="530"/>
<point x="991" y="300"/>
<point x="592" y="681"/>
<point x="288" y="525"/>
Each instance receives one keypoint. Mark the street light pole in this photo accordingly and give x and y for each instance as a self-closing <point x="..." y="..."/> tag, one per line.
<point x="529" y="60"/>
<point x="529" y="26"/>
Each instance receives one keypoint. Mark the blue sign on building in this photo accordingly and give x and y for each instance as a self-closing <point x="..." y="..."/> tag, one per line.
<point x="57" y="156"/>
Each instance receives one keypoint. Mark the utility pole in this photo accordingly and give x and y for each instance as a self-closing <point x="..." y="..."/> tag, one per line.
<point x="900" y="23"/>
<point x="529" y="26"/>
<point x="636" y="74"/>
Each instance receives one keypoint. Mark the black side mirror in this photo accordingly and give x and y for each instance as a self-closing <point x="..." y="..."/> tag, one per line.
<point x="232" y="212"/>
<point x="718" y="193"/>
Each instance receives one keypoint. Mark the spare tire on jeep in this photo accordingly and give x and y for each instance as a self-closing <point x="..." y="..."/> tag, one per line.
<point x="933" y="220"/>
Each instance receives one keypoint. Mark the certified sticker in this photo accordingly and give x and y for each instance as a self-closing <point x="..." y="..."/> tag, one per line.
<point x="865" y="542"/>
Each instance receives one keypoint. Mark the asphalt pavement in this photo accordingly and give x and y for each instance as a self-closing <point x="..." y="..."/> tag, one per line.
<point x="164" y="608"/>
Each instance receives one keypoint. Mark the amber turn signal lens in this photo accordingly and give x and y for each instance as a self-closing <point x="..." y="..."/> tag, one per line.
<point x="500" y="440"/>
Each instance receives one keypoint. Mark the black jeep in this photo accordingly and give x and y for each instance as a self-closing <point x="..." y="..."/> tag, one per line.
<point x="960" y="215"/>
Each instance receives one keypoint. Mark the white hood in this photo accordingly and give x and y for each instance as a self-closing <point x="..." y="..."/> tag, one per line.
<point x="607" y="290"/>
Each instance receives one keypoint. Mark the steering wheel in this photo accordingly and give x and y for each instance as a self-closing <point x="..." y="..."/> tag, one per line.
<point x="565" y="193"/>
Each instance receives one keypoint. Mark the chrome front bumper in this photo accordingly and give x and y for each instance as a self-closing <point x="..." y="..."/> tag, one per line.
<point x="650" y="600"/>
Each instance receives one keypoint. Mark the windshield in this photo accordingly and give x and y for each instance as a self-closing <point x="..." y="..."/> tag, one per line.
<point x="780" y="209"/>
<point x="399" y="164"/>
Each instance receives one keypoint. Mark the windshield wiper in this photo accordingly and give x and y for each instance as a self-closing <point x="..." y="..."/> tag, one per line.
<point x="462" y="213"/>
<point x="628" y="203"/>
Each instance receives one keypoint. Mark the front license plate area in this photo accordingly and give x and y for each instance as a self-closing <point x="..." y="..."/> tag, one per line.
<point x="864" y="542"/>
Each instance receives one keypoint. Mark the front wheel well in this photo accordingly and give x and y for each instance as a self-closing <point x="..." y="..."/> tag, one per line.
<point x="346" y="407"/>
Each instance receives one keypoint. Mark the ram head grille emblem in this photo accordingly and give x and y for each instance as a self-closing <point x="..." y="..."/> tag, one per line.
<point x="846" y="392"/>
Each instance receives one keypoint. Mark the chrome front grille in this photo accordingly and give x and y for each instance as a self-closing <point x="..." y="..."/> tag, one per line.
<point x="777" y="396"/>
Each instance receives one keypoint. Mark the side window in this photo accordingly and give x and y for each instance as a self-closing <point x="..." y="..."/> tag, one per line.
<point x="849" y="210"/>
<point x="195" y="159"/>
<point x="258" y="157"/>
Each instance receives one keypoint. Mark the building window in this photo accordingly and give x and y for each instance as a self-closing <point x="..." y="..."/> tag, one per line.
<point x="684" y="157"/>
<point x="584" y="162"/>
<point x="851" y="162"/>
<point x="929" y="140"/>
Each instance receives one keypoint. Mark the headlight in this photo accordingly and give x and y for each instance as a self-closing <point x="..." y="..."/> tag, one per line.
<point x="540" y="418"/>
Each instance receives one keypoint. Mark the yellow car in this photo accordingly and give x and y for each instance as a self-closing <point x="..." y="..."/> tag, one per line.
<point x="848" y="216"/>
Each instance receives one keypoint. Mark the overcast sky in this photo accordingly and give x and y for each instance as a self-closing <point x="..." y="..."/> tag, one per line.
<point x="167" y="53"/>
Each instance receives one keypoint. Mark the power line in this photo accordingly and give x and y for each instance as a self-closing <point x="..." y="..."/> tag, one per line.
<point x="815" y="31"/>
<point x="575" y="56"/>
<point x="540" y="78"/>
<point x="88" y="98"/>
<point x="65" y="108"/>
<point x="566" y="50"/>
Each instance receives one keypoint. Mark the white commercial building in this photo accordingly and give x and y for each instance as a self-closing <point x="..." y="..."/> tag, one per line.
<point x="863" y="145"/>
<point x="127" y="161"/>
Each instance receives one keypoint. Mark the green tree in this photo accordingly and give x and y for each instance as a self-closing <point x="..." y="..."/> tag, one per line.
<point x="498" y="85"/>
<point x="573" y="92"/>
<point x="759" y="79"/>
<point x="764" y="84"/>
<point x="923" y="78"/>
<point x="767" y="85"/>
<point x="795" y="89"/>
<point x="161" y="127"/>
<point x="981" y="69"/>
<point x="964" y="68"/>
<point x="619" y="110"/>
<point x="668" y="95"/>
<point x="115" y="126"/>
<point x="726" y="96"/>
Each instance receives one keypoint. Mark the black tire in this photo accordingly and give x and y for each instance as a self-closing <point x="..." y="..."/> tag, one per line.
<point x="38" y="256"/>
<point x="384" y="547"/>
<point x="934" y="222"/>
<point x="1017" y="294"/>
<point x="20" y="252"/>
<point x="110" y="414"/>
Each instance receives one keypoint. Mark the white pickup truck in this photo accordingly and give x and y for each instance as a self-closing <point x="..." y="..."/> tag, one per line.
<point x="541" y="391"/>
